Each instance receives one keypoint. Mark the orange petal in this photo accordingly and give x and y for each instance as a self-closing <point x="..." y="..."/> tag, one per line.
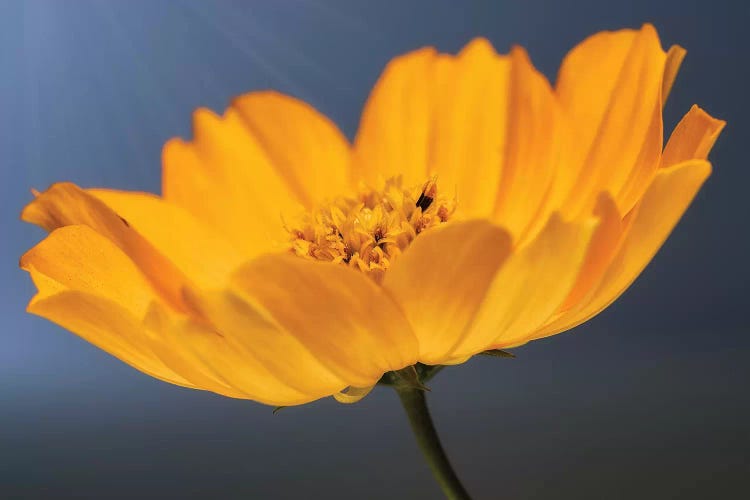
<point x="586" y="84"/>
<point x="658" y="212"/>
<point x="196" y="249"/>
<point x="66" y="204"/>
<point x="601" y="251"/>
<point x="529" y="287"/>
<point x="225" y="179"/>
<point x="394" y="131"/>
<point x="87" y="285"/>
<point x="220" y="363"/>
<point x="610" y="87"/>
<point x="364" y="333"/>
<point x="441" y="280"/>
<point x="475" y="120"/>
<point x="693" y="137"/>
<point x="675" y="55"/>
<point x="306" y="147"/>
<point x="468" y="123"/>
<point x="326" y="327"/>
<point x="267" y="348"/>
<point x="353" y="394"/>
<point x="531" y="151"/>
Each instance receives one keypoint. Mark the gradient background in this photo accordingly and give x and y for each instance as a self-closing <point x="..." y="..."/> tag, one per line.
<point x="648" y="400"/>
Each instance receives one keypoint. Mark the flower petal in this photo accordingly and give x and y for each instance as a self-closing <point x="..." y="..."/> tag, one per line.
<point x="601" y="251"/>
<point x="87" y="285"/>
<point x="529" y="287"/>
<point x="610" y="87"/>
<point x="365" y="334"/>
<point x="442" y="279"/>
<point x="225" y="179"/>
<point x="658" y="212"/>
<point x="353" y="394"/>
<point x="220" y="363"/>
<point x="306" y="147"/>
<point x="66" y="204"/>
<point x="586" y="84"/>
<point x="266" y="347"/>
<point x="468" y="125"/>
<point x="394" y="131"/>
<point x="196" y="249"/>
<point x="326" y="327"/>
<point x="532" y="150"/>
<point x="675" y="56"/>
<point x="693" y="137"/>
<point x="475" y="120"/>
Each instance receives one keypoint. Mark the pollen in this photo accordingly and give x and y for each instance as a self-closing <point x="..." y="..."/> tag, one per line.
<point x="368" y="231"/>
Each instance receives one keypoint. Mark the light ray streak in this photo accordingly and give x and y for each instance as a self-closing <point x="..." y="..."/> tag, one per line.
<point x="32" y="152"/>
<point x="355" y="24"/>
<point x="115" y="125"/>
<point x="156" y="94"/>
<point x="245" y="47"/>
<point x="278" y="43"/>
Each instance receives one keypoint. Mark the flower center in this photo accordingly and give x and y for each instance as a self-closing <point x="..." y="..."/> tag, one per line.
<point x="369" y="231"/>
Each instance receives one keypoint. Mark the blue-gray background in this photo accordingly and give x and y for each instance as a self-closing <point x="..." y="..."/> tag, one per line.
<point x="648" y="400"/>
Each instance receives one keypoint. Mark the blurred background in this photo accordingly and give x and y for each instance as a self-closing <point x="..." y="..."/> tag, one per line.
<point x="649" y="400"/>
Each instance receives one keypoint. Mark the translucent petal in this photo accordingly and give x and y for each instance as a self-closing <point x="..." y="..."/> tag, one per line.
<point x="464" y="288"/>
<point x="196" y="249"/>
<point x="306" y="147"/>
<point x="66" y="204"/>
<point x="693" y="137"/>
<point x="324" y="326"/>
<point x="442" y="279"/>
<point x="610" y="88"/>
<point x="529" y="287"/>
<point x="353" y="394"/>
<point x="658" y="212"/>
<point x="225" y="178"/>
<point x="87" y="285"/>
<point x="478" y="121"/>
<point x="394" y="131"/>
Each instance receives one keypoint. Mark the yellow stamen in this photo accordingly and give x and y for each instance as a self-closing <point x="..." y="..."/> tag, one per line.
<point x="368" y="231"/>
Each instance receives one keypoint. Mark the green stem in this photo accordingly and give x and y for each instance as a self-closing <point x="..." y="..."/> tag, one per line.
<point x="415" y="404"/>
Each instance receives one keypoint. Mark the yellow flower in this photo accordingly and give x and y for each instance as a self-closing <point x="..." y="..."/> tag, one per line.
<point x="478" y="208"/>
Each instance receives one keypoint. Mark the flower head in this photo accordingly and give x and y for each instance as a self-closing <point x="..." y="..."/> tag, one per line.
<point x="478" y="208"/>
